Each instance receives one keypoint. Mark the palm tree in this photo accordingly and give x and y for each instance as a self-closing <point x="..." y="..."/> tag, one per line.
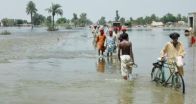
<point x="55" y="9"/>
<point x="31" y="9"/>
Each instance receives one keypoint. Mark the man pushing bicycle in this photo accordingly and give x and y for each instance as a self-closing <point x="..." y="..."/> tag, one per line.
<point x="174" y="51"/>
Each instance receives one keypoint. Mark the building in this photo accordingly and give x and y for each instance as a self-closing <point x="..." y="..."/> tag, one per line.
<point x="192" y="21"/>
<point x="156" y="24"/>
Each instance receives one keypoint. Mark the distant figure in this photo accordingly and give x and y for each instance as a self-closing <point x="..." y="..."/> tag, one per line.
<point x="187" y="32"/>
<point x="174" y="51"/>
<point x="110" y="43"/>
<point x="124" y="29"/>
<point x="100" y="40"/>
<point x="125" y="55"/>
<point x="94" y="30"/>
<point x="191" y="38"/>
<point x="117" y="35"/>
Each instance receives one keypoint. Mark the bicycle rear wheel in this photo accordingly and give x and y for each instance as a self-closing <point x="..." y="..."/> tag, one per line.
<point x="178" y="82"/>
<point x="156" y="74"/>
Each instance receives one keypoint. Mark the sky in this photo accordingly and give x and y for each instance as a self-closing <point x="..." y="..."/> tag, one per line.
<point x="95" y="9"/>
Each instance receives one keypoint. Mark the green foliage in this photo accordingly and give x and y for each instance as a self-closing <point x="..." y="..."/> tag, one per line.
<point x="31" y="9"/>
<point x="184" y="18"/>
<point x="7" y="22"/>
<point x="61" y="20"/>
<point x="38" y="19"/>
<point x="154" y="17"/>
<point x="168" y="18"/>
<point x="102" y="21"/>
<point x="83" y="20"/>
<point x="140" y="21"/>
<point x="122" y="20"/>
<point x="55" y="9"/>
<point x="117" y="16"/>
<point x="148" y="19"/>
<point x="19" y="22"/>
<point x="179" y="17"/>
<point x="12" y="22"/>
<point x="128" y="23"/>
<point x="89" y="22"/>
<point x="49" y="22"/>
<point x="68" y="26"/>
<point x="75" y="20"/>
<point x="5" y="32"/>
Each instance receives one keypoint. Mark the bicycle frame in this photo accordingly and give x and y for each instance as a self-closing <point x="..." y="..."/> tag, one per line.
<point x="174" y="74"/>
<point x="172" y="68"/>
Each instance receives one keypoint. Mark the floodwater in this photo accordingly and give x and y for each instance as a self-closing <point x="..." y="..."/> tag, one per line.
<point x="40" y="67"/>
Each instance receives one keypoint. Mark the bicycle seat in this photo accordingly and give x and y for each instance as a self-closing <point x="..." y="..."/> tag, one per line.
<point x="159" y="63"/>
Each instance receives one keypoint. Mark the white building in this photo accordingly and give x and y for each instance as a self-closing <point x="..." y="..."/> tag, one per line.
<point x="156" y="24"/>
<point x="192" y="21"/>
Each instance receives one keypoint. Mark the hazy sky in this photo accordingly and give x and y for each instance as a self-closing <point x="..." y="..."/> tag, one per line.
<point x="97" y="8"/>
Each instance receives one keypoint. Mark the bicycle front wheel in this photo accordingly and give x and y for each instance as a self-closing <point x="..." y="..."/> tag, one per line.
<point x="178" y="83"/>
<point x="156" y="74"/>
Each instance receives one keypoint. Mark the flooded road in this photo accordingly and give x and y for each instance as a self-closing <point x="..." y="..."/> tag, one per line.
<point x="40" y="67"/>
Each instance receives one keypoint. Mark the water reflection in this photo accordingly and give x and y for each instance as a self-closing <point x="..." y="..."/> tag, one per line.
<point x="174" y="98"/>
<point x="101" y="65"/>
<point x="113" y="65"/>
<point x="126" y="93"/>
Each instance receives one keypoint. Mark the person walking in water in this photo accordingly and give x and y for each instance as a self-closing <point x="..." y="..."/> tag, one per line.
<point x="124" y="29"/>
<point x="174" y="51"/>
<point x="100" y="40"/>
<point x="110" y="43"/>
<point x="125" y="56"/>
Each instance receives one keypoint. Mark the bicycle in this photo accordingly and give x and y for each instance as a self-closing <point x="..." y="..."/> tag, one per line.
<point x="175" y="79"/>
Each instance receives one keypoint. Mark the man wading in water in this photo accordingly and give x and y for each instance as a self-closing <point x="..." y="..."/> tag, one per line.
<point x="125" y="55"/>
<point x="174" y="51"/>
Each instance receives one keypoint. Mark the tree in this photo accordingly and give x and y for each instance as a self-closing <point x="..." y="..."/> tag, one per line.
<point x="131" y="19"/>
<point x="38" y="19"/>
<point x="31" y="9"/>
<point x="83" y="19"/>
<point x="148" y="20"/>
<point x="102" y="21"/>
<point x="122" y="20"/>
<point x="49" y="22"/>
<point x="7" y="22"/>
<point x="117" y="16"/>
<point x="140" y="21"/>
<point x="179" y="17"/>
<point x="184" y="18"/>
<point x="128" y="23"/>
<point x="75" y="19"/>
<point x="89" y="22"/>
<point x="55" y="9"/>
<point x="61" y="20"/>
<point x="4" y="22"/>
<point x="168" y="18"/>
<point x="18" y="22"/>
<point x="154" y="17"/>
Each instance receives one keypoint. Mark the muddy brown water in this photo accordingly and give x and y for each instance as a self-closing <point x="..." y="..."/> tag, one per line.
<point x="40" y="67"/>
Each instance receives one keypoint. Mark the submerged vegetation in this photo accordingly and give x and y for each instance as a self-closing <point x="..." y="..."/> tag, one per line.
<point x="5" y="32"/>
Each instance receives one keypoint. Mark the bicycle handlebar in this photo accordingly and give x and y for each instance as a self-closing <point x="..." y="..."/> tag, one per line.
<point x="135" y="65"/>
